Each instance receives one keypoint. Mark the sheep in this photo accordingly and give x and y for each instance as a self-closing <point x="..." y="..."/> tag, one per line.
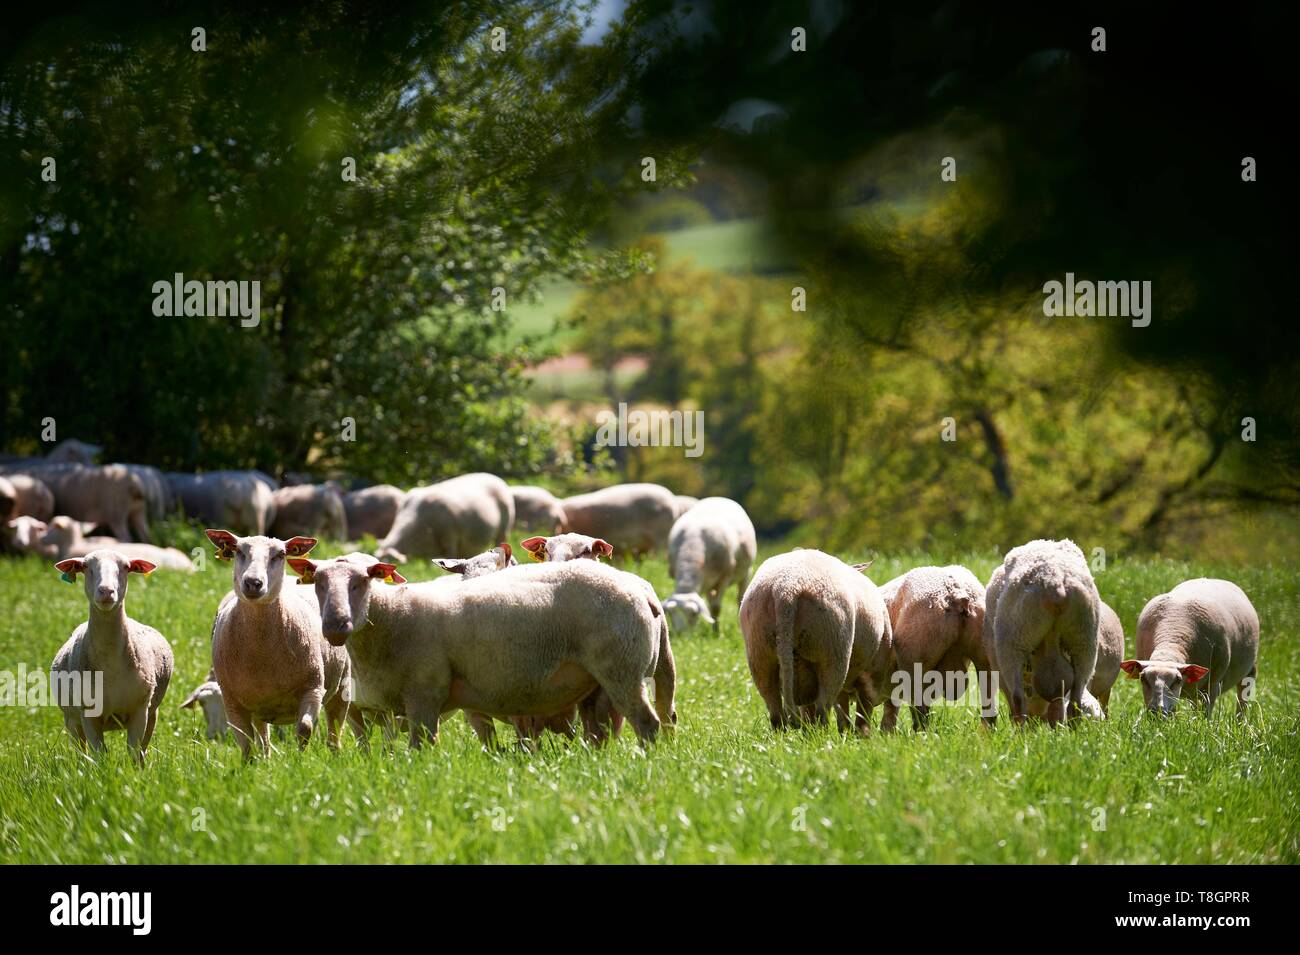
<point x="634" y="518"/>
<point x="110" y="495"/>
<point x="310" y="510"/>
<point x="207" y="696"/>
<point x="530" y="639"/>
<point x="816" y="634"/>
<point x="462" y="515"/>
<point x="72" y="451"/>
<point x="937" y="618"/>
<point x="498" y="558"/>
<point x="710" y="547"/>
<point x="243" y="500"/>
<point x="134" y="659"/>
<point x="1203" y="633"/>
<point x="268" y="654"/>
<point x="563" y="547"/>
<point x="537" y="509"/>
<point x="1096" y="698"/>
<point x="1042" y="614"/>
<point x="64" y="538"/>
<point x="683" y="503"/>
<point x="23" y="495"/>
<point x="22" y="535"/>
<point x="158" y="497"/>
<point x="371" y="510"/>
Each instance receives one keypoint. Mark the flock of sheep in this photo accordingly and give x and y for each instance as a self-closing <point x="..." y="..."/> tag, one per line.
<point x="569" y="641"/>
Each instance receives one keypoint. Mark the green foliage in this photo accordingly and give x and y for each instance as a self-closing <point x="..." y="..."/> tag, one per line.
<point x="724" y="789"/>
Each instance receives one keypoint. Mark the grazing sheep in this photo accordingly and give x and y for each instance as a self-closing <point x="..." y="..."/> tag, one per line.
<point x="243" y="500"/>
<point x="462" y="515"/>
<point x="528" y="640"/>
<point x="1096" y="699"/>
<point x="23" y="495"/>
<point x="65" y="538"/>
<point x="537" y="509"/>
<point x="498" y="558"/>
<point x="311" y="510"/>
<point x="816" y="634"/>
<point x="937" y="618"/>
<point x="634" y="518"/>
<point x="207" y="696"/>
<point x="1203" y="633"/>
<point x="1041" y="618"/>
<point x="710" y="547"/>
<point x="268" y="654"/>
<point x="111" y="496"/>
<point x="22" y="535"/>
<point x="135" y="660"/>
<point x="564" y="547"/>
<point x="371" y="510"/>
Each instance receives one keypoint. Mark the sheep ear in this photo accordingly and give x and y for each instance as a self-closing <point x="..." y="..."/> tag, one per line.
<point x="861" y="568"/>
<point x="140" y="566"/>
<point x="299" y="546"/>
<point x="1132" y="667"/>
<point x="505" y="549"/>
<point x="1193" y="673"/>
<point x="385" y="572"/>
<point x="191" y="699"/>
<point x="705" y="615"/>
<point x="224" y="541"/>
<point x="601" y="548"/>
<point x="536" y="546"/>
<point x="70" y="568"/>
<point x="304" y="568"/>
<point x="449" y="564"/>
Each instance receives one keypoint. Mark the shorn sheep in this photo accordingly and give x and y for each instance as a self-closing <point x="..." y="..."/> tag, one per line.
<point x="1201" y="638"/>
<point x="710" y="547"/>
<point x="817" y="635"/>
<point x="1041" y="619"/>
<point x="134" y="659"/>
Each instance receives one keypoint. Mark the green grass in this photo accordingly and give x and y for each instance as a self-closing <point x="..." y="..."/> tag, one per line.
<point x="725" y="788"/>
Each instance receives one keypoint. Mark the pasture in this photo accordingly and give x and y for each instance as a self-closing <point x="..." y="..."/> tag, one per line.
<point x="724" y="788"/>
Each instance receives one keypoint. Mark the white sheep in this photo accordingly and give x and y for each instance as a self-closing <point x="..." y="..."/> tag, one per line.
<point x="1042" y="614"/>
<point x="563" y="547"/>
<point x="817" y="635"/>
<point x="634" y="518"/>
<point x="207" y="696"/>
<point x="135" y="660"/>
<point x="528" y="640"/>
<point x="462" y="515"/>
<point x="710" y="547"/>
<point x="1203" y="634"/>
<point x="309" y="509"/>
<point x="371" y="510"/>
<point x="268" y="653"/>
<point x="537" y="509"/>
<point x="66" y="538"/>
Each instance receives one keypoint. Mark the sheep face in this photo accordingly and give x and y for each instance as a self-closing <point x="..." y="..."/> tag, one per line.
<point x="343" y="592"/>
<point x="685" y="611"/>
<point x="106" y="576"/>
<point x="26" y="532"/>
<point x="567" y="547"/>
<point x="258" y="562"/>
<point x="208" y="698"/>
<point x="1162" y="682"/>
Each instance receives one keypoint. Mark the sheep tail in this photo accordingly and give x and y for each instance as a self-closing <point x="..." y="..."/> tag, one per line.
<point x="785" y="619"/>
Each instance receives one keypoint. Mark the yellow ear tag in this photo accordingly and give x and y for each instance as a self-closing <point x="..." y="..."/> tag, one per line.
<point x="539" y="555"/>
<point x="388" y="579"/>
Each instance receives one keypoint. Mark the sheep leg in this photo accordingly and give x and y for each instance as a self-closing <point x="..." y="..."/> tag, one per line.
<point x="1104" y="699"/>
<point x="150" y="723"/>
<point x="1243" y="689"/>
<point x="424" y="714"/>
<point x="483" y="728"/>
<point x="336" y="714"/>
<point x="242" y="724"/>
<point x="920" y="717"/>
<point x="715" y="608"/>
<point x="93" y="727"/>
<point x="72" y="723"/>
<point x="598" y="717"/>
<point x="985" y="678"/>
<point x="631" y="701"/>
<point x="665" y="678"/>
<point x="1012" y="670"/>
<point x="135" y="726"/>
<point x="360" y="728"/>
<point x="263" y="731"/>
<point x="308" y="715"/>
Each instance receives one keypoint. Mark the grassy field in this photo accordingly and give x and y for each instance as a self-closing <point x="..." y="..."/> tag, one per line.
<point x="725" y="788"/>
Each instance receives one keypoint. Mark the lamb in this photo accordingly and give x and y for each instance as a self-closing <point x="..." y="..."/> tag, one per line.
<point x="243" y="500"/>
<point x="311" y="510"/>
<point x="135" y="660"/>
<point x="537" y="509"/>
<point x="462" y="515"/>
<point x="23" y="495"/>
<point x="1203" y="633"/>
<point x="937" y="618"/>
<point x="65" y="538"/>
<point x="710" y="547"/>
<point x="564" y="547"/>
<point x="634" y="518"/>
<point x="817" y="634"/>
<point x="207" y="696"/>
<point x="22" y="535"/>
<point x="371" y="510"/>
<point x="1042" y="614"/>
<point x="527" y="640"/>
<point x="268" y="654"/>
